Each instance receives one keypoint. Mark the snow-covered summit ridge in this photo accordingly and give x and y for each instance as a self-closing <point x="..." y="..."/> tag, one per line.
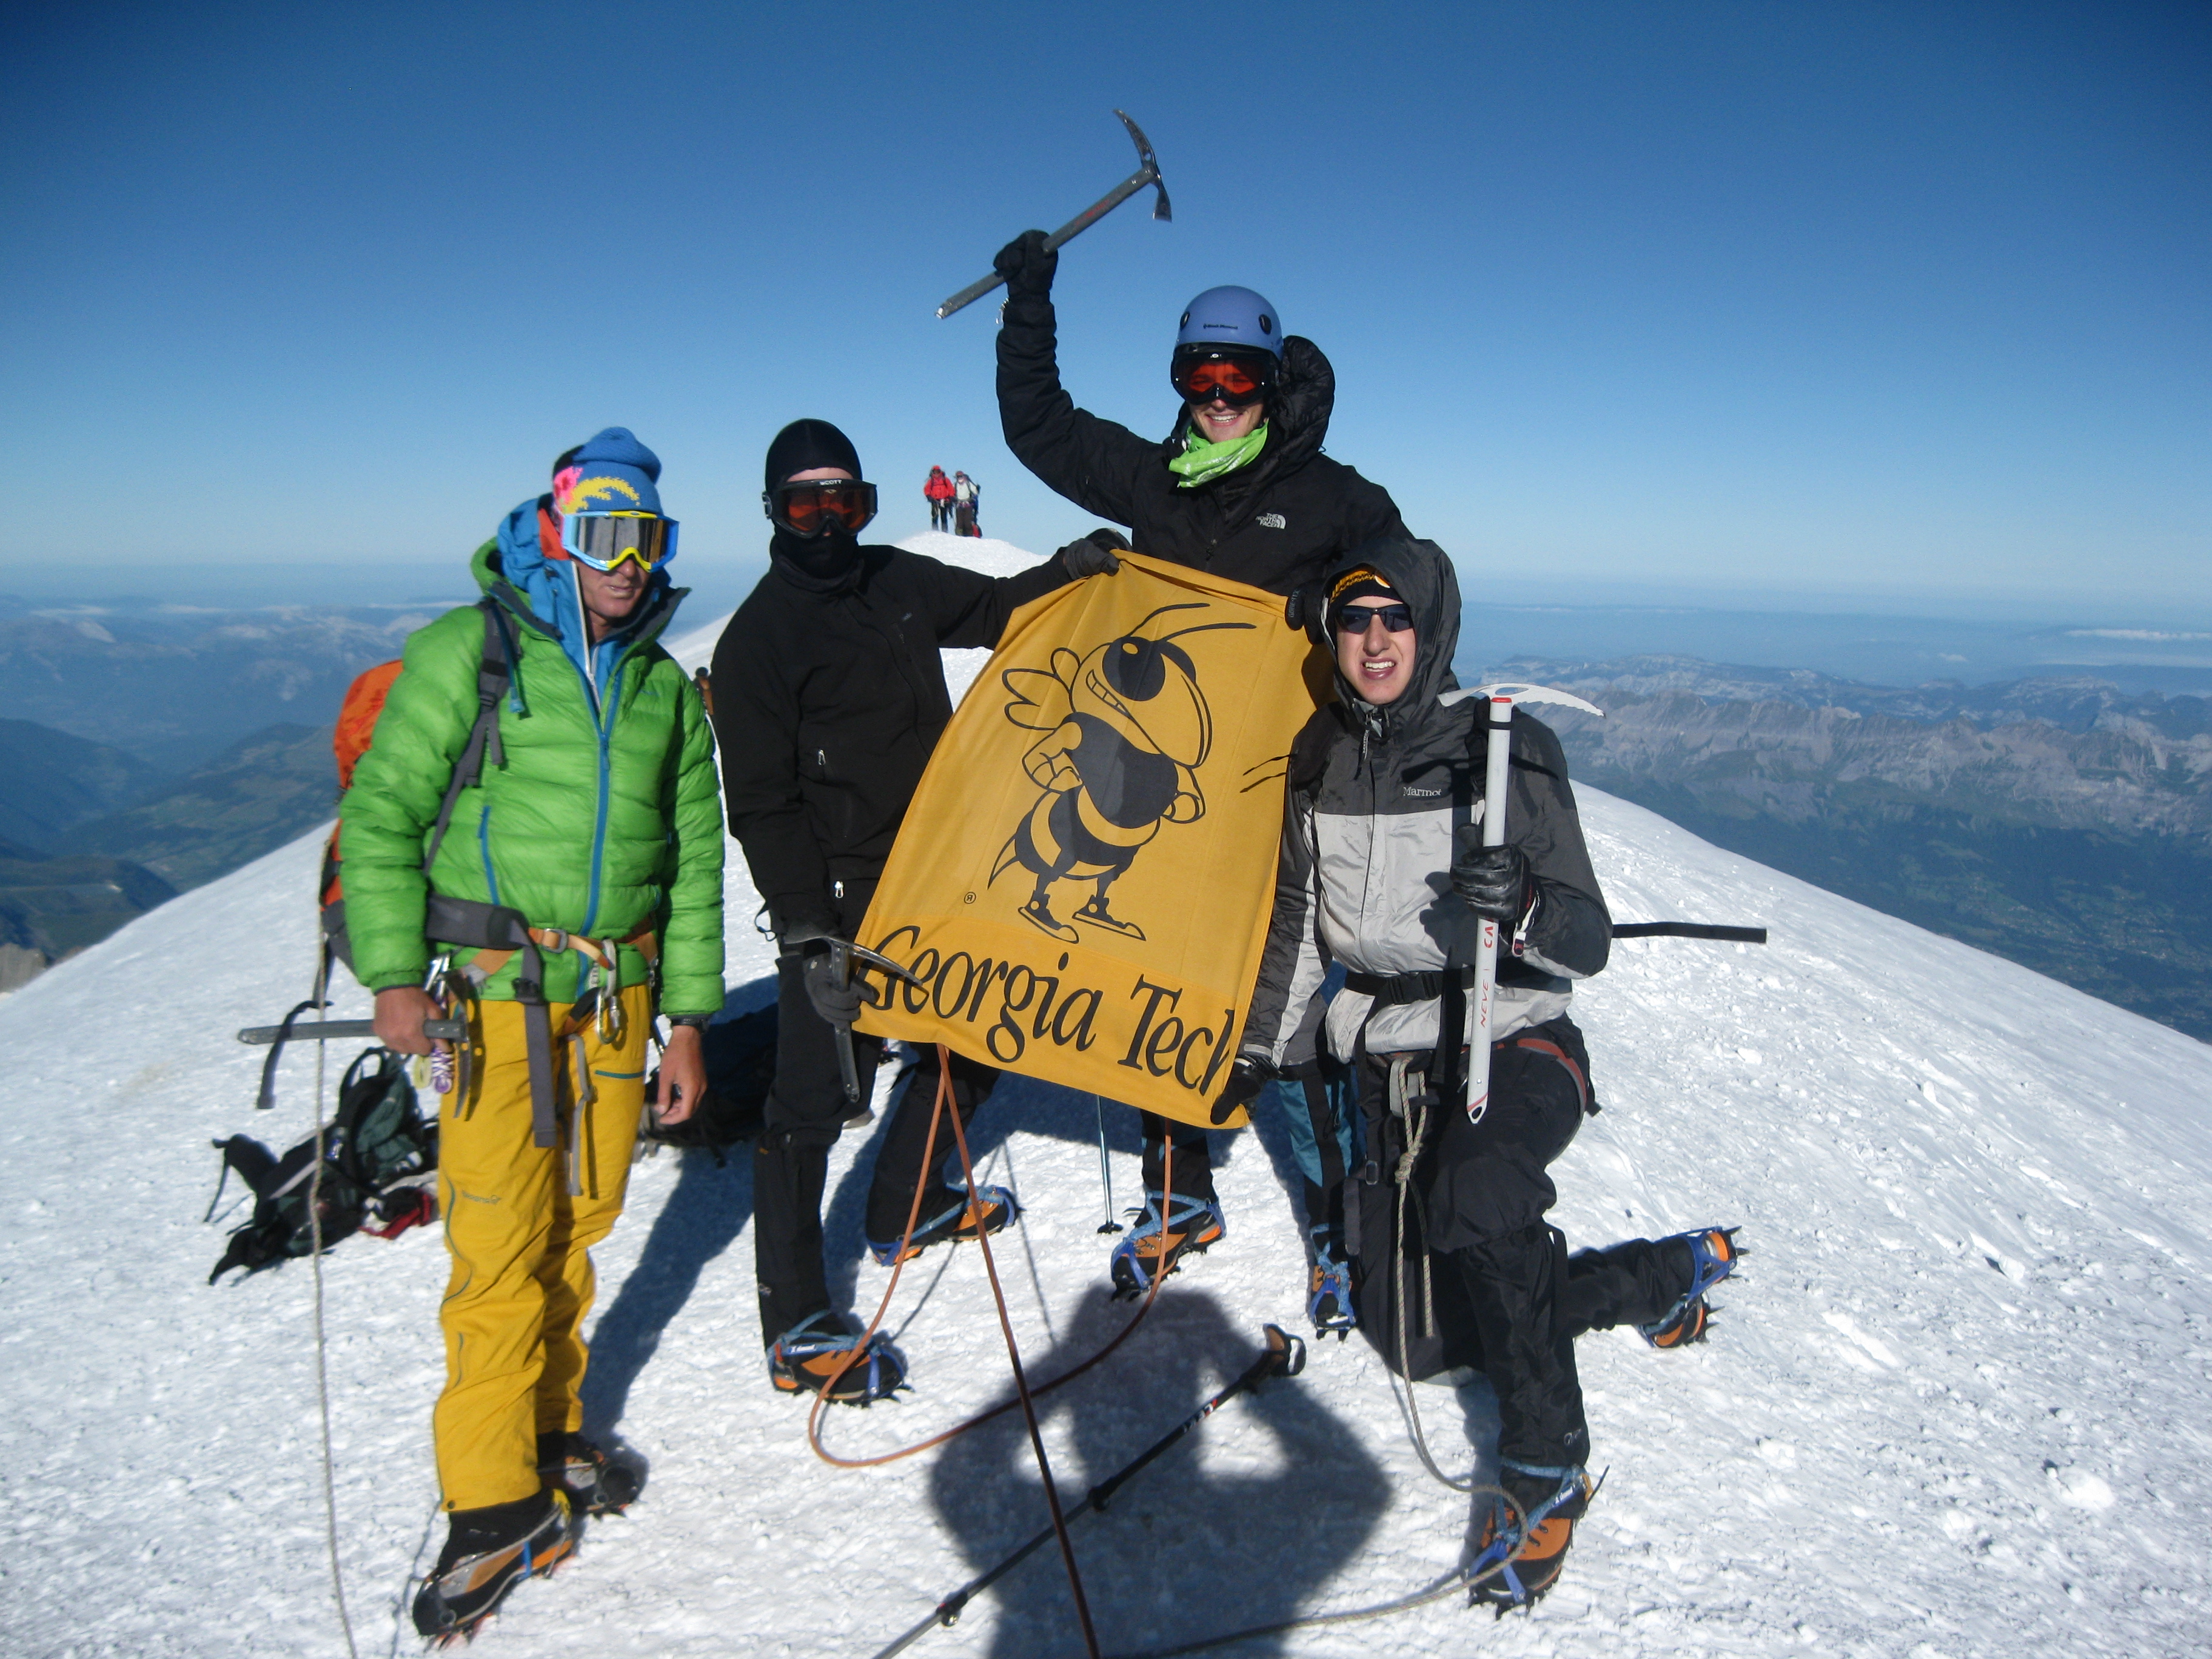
<point x="1955" y="1405"/>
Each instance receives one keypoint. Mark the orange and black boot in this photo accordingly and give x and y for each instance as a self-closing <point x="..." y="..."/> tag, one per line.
<point x="1713" y="1256"/>
<point x="488" y="1553"/>
<point x="819" y="1348"/>
<point x="993" y="1212"/>
<point x="1522" y="1547"/>
<point x="1154" y="1247"/>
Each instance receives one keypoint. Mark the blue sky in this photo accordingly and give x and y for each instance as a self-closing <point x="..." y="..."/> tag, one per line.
<point x="1900" y="304"/>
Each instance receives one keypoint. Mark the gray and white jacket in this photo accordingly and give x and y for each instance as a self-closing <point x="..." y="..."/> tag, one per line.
<point x="1374" y="795"/>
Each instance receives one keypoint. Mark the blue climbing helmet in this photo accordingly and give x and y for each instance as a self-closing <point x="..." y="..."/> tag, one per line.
<point x="1230" y="318"/>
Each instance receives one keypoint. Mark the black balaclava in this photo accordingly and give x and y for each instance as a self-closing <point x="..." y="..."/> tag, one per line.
<point x="800" y="447"/>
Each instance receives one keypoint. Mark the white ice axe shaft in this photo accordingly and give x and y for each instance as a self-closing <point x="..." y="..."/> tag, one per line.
<point x="1496" y="775"/>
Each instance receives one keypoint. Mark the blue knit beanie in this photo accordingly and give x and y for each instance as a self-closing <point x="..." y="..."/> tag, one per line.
<point x="612" y="473"/>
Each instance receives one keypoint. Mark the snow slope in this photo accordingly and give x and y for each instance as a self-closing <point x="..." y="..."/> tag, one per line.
<point x="1956" y="1405"/>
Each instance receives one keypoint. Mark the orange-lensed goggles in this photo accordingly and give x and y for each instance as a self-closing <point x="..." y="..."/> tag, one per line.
<point x="820" y="507"/>
<point x="1238" y="381"/>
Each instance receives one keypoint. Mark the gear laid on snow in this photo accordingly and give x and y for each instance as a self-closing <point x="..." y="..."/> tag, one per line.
<point x="1154" y="1248"/>
<point x="595" y="1484"/>
<point x="1713" y="1256"/>
<point x="488" y="1553"/>
<point x="375" y="1154"/>
<point x="809" y="1354"/>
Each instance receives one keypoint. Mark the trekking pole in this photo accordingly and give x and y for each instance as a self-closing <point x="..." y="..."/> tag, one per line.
<point x="1147" y="174"/>
<point x="1499" y="756"/>
<point x="1284" y="1356"/>
<point x="1105" y="1168"/>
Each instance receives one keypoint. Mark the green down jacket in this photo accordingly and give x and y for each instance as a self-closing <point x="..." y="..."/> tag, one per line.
<point x="599" y="823"/>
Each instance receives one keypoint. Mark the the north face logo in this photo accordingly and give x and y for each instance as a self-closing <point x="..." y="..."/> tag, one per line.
<point x="1271" y="521"/>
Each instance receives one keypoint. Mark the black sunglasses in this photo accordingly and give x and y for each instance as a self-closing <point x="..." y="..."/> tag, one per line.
<point x="1354" y="618"/>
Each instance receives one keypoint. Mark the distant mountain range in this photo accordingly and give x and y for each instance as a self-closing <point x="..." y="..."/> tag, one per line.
<point x="175" y="686"/>
<point x="2056" y="821"/>
<point x="158" y="747"/>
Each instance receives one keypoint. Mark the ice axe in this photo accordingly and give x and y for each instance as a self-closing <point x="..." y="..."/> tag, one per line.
<point x="1148" y="173"/>
<point x="1502" y="698"/>
<point x="843" y="953"/>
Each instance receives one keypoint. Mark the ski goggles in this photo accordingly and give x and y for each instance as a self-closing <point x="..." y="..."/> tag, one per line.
<point x="1354" y="618"/>
<point x="818" y="507"/>
<point x="1240" y="382"/>
<point x="603" y="540"/>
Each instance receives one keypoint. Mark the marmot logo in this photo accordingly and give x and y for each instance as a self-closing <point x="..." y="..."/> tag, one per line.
<point x="1420" y="794"/>
<point x="1271" y="521"/>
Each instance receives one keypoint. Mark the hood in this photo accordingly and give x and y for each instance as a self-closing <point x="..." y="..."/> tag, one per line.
<point x="1422" y="575"/>
<point x="1298" y="417"/>
<point x="514" y="569"/>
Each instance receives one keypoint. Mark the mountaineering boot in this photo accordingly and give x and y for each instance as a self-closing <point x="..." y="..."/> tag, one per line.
<point x="1713" y="1256"/>
<point x="1328" y="1301"/>
<point x="1517" y="1559"/>
<point x="807" y="1356"/>
<point x="1152" y="1249"/>
<point x="994" y="1212"/>
<point x="488" y="1553"/>
<point x="595" y="1483"/>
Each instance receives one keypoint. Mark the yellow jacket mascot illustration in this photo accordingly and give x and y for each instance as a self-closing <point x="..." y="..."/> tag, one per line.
<point x="1127" y="728"/>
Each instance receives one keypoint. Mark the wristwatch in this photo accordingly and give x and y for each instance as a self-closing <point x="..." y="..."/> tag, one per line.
<point x="696" y="1022"/>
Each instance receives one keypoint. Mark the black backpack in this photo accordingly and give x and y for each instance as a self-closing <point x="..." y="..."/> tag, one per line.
<point x="740" y="1057"/>
<point x="375" y="1151"/>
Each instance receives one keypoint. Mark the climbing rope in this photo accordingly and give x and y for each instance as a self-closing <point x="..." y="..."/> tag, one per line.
<point x="321" y="997"/>
<point x="860" y="1350"/>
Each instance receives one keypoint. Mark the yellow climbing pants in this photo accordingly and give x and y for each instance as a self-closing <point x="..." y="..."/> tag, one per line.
<point x="519" y="1218"/>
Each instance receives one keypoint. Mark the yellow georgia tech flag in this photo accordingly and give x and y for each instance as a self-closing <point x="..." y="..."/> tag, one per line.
<point x="1083" y="880"/>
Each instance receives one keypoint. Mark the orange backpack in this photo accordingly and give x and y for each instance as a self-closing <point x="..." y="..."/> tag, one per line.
<point x="356" y="729"/>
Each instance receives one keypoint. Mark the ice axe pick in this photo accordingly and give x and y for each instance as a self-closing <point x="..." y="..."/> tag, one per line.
<point x="1147" y="174"/>
<point x="1501" y="697"/>
<point x="843" y="956"/>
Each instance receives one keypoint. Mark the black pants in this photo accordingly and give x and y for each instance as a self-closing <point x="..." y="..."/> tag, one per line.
<point x="806" y="1110"/>
<point x="1485" y="1281"/>
<point x="1193" y="1174"/>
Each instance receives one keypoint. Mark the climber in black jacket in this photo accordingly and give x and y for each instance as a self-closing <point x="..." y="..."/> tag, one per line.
<point x="828" y="695"/>
<point x="1241" y="490"/>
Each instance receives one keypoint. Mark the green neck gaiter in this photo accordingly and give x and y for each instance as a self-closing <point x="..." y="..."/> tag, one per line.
<point x="1201" y="462"/>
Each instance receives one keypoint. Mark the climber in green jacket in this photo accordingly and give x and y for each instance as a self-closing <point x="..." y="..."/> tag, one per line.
<point x="574" y="893"/>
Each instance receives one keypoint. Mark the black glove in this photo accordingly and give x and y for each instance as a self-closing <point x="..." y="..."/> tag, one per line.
<point x="1027" y="266"/>
<point x="1494" y="881"/>
<point x="1247" y="1077"/>
<point x="838" y="1003"/>
<point x="1094" y="554"/>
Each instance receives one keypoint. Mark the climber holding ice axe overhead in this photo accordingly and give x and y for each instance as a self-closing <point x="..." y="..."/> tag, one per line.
<point x="1239" y="488"/>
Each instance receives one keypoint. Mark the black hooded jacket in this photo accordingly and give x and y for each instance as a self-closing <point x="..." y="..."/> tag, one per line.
<point x="1375" y="795"/>
<point x="1276" y="524"/>
<point x="829" y="696"/>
